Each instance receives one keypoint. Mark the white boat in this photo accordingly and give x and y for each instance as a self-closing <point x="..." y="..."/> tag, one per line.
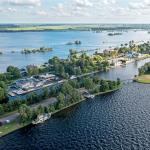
<point x="41" y="118"/>
<point x="87" y="95"/>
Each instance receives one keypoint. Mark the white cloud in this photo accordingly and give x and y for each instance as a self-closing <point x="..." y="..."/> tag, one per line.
<point x="11" y="9"/>
<point x="145" y="4"/>
<point x="136" y="5"/>
<point x="83" y="3"/>
<point x="109" y="2"/>
<point x="42" y="13"/>
<point x="23" y="2"/>
<point x="8" y="10"/>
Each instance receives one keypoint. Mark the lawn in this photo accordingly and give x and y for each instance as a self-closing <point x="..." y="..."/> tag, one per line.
<point x="5" y="129"/>
<point x="143" y="79"/>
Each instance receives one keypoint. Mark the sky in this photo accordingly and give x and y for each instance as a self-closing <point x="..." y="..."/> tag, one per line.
<point x="74" y="11"/>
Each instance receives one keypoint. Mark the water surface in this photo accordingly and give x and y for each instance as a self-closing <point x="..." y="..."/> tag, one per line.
<point x="57" y="40"/>
<point x="117" y="121"/>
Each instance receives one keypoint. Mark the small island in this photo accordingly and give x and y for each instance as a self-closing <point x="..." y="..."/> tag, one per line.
<point x="34" y="50"/>
<point x="113" y="34"/>
<point x="144" y="74"/>
<point x="77" y="42"/>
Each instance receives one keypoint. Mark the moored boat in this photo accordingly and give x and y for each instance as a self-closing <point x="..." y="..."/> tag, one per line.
<point x="41" y="118"/>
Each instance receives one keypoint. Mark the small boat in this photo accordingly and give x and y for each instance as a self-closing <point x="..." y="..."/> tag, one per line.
<point x="87" y="95"/>
<point x="123" y="65"/>
<point x="41" y="118"/>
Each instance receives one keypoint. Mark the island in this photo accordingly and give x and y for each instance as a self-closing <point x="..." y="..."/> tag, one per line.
<point x="62" y="83"/>
<point x="36" y="50"/>
<point x="77" y="42"/>
<point x="113" y="34"/>
<point x="144" y="74"/>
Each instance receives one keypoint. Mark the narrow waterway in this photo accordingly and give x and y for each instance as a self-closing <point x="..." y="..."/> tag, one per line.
<point x="117" y="121"/>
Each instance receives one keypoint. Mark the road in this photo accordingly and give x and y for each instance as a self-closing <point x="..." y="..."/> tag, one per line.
<point x="14" y="116"/>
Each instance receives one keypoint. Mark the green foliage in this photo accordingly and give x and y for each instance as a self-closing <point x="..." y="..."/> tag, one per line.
<point x="118" y="81"/>
<point x="32" y="70"/>
<point x="144" y="69"/>
<point x="88" y="83"/>
<point x="104" y="86"/>
<point x="25" y="114"/>
<point x="1" y="110"/>
<point x="2" y="94"/>
<point x="46" y="93"/>
<point x="14" y="72"/>
<point x="77" y="64"/>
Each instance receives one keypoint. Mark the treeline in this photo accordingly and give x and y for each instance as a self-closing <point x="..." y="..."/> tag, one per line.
<point x="68" y="93"/>
<point x="132" y="46"/>
<point x="145" y="69"/>
<point x="77" y="64"/>
<point x="33" y="98"/>
<point x="128" y="48"/>
<point x="38" y="50"/>
<point x="12" y="74"/>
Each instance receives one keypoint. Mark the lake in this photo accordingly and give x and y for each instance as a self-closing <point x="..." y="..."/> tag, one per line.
<point x="116" y="121"/>
<point x="17" y="41"/>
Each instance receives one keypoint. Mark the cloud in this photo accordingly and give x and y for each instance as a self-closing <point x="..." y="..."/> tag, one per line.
<point x="136" y="5"/>
<point x="42" y="13"/>
<point x="109" y="2"/>
<point x="23" y="2"/>
<point x="11" y="9"/>
<point x="83" y="3"/>
<point x="145" y="4"/>
<point x="8" y="10"/>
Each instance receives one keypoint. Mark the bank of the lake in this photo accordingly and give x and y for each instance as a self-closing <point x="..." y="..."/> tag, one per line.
<point x="118" y="120"/>
<point x="15" y="125"/>
<point x="57" y="40"/>
<point x="145" y="79"/>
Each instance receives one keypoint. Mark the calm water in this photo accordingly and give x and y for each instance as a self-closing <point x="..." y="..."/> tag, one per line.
<point x="57" y="40"/>
<point x="117" y="121"/>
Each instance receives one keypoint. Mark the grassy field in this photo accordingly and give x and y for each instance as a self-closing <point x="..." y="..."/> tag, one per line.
<point x="45" y="28"/>
<point x="10" y="127"/>
<point x="143" y="79"/>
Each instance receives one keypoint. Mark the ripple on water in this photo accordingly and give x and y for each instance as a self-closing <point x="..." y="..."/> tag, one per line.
<point x="118" y="121"/>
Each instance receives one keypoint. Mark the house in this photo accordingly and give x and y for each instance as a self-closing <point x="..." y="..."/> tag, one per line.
<point x="25" y="83"/>
<point x="47" y="76"/>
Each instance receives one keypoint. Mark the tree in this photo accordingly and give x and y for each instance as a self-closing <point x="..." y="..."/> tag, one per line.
<point x="46" y="110"/>
<point x="61" y="99"/>
<point x="104" y="86"/>
<point x="25" y="113"/>
<point x="66" y="88"/>
<point x="88" y="83"/>
<point x="51" y="108"/>
<point x="40" y="110"/>
<point x="1" y="110"/>
<point x="45" y="93"/>
<point x="14" y="71"/>
<point x="74" y="83"/>
<point x="32" y="70"/>
<point x="2" y="94"/>
<point x="118" y="81"/>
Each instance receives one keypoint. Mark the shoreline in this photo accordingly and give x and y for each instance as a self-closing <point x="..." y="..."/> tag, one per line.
<point x="143" y="79"/>
<point x="18" y="126"/>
